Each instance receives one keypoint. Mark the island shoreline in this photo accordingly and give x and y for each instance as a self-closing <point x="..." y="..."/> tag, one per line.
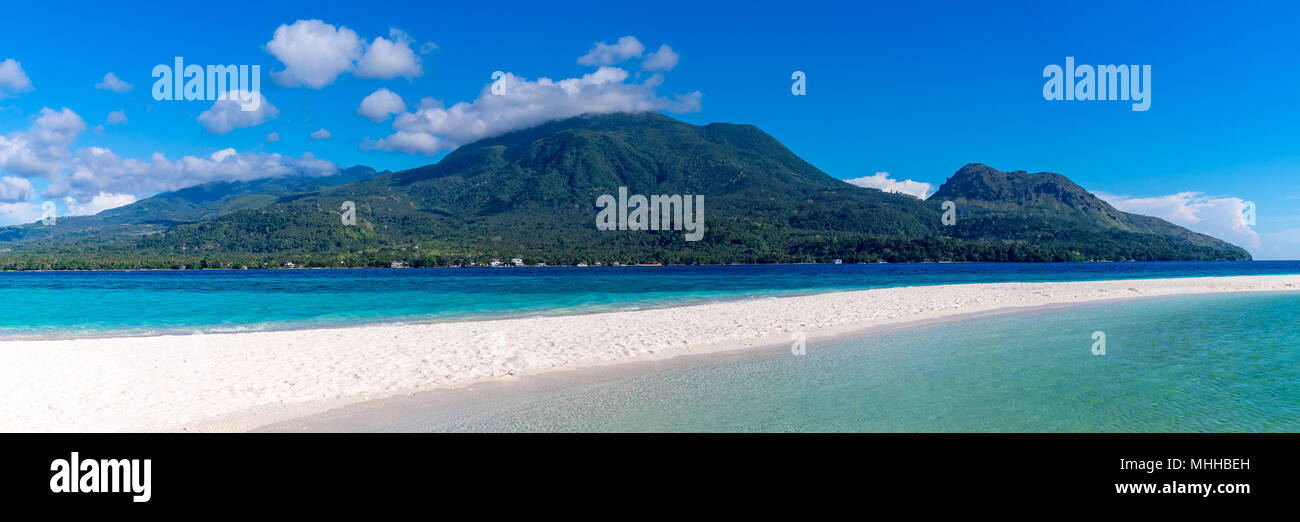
<point x="454" y="402"/>
<point x="248" y="380"/>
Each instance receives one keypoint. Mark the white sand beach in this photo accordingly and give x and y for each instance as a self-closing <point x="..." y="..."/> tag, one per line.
<point x="240" y="381"/>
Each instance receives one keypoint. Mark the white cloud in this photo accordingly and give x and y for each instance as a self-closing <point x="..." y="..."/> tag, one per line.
<point x="116" y="118"/>
<point x="1218" y="216"/>
<point x="428" y="47"/>
<point x="13" y="81"/>
<point x="433" y="127"/>
<point x="321" y="134"/>
<point x="379" y="105"/>
<point x="98" y="170"/>
<point x="409" y="143"/>
<point x="44" y="151"/>
<point x="112" y="83"/>
<point x="605" y="54"/>
<point x="17" y="213"/>
<point x="882" y="181"/>
<point x="41" y="149"/>
<point x="273" y="137"/>
<point x="14" y="189"/>
<point x="222" y="154"/>
<point x="314" y="53"/>
<point x="388" y="58"/>
<point x="97" y="203"/>
<point x="662" y="60"/>
<point x="228" y="114"/>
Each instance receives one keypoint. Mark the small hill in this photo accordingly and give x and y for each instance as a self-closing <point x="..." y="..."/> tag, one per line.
<point x="1048" y="208"/>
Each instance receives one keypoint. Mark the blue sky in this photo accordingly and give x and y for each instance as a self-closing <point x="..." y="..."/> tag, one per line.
<point x="915" y="90"/>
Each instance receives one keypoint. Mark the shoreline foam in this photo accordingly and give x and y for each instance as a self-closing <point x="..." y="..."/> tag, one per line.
<point x="241" y="381"/>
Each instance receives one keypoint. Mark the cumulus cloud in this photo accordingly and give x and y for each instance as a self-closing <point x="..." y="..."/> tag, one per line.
<point x="603" y="54"/>
<point x="882" y="181"/>
<point x="662" y="60"/>
<point x="381" y="104"/>
<point x="222" y="154"/>
<point x="98" y="170"/>
<point x="116" y="118"/>
<point x="22" y="212"/>
<point x="321" y="134"/>
<point x="112" y="83"/>
<point x="95" y="178"/>
<point x="228" y="114"/>
<point x="315" y="53"/>
<point x="41" y="149"/>
<point x="14" y="189"/>
<point x="273" y="137"/>
<point x="1218" y="216"/>
<point x="525" y="103"/>
<point x="97" y="203"/>
<point x="387" y="58"/>
<point x="409" y="143"/>
<point x="13" y="81"/>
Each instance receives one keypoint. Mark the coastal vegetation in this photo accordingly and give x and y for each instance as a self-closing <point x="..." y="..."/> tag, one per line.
<point x="532" y="195"/>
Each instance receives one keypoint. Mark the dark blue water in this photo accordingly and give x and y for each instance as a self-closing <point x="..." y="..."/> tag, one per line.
<point x="95" y="303"/>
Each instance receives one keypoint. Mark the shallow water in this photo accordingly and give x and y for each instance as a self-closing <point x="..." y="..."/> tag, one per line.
<point x="38" y="304"/>
<point x="1225" y="363"/>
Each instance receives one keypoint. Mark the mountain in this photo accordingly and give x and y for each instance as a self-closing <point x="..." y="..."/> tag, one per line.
<point x="532" y="194"/>
<point x="1048" y="209"/>
<point x="219" y="198"/>
<point x="187" y="205"/>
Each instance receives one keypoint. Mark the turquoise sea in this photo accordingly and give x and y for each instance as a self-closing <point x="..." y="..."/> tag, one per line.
<point x="1194" y="363"/>
<point x="1223" y="363"/>
<point x="42" y="304"/>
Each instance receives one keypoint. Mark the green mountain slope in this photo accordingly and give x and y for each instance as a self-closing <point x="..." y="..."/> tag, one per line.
<point x="187" y="205"/>
<point x="1048" y="209"/>
<point x="215" y="199"/>
<point x="532" y="193"/>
